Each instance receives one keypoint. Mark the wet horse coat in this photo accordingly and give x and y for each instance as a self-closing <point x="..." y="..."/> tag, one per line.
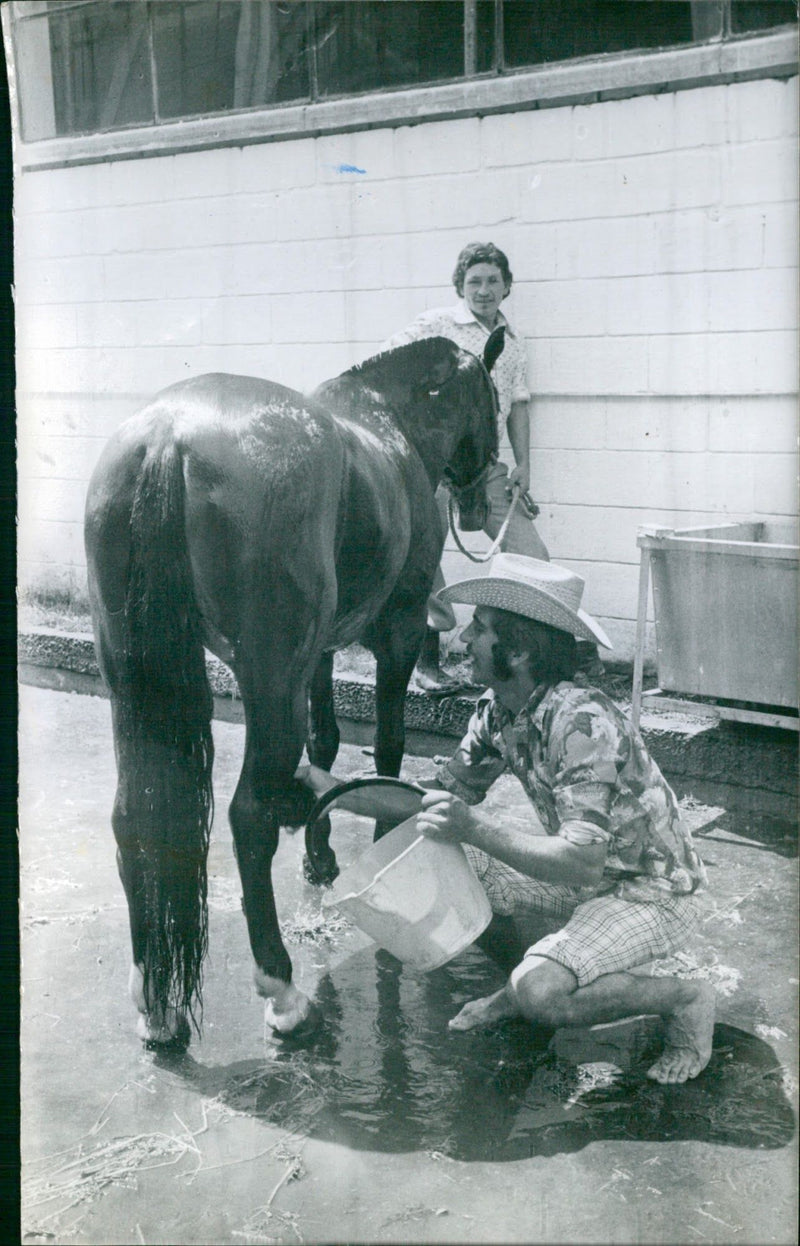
<point x="271" y="528"/>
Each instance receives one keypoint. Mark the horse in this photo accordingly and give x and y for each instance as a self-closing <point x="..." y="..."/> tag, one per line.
<point x="236" y="515"/>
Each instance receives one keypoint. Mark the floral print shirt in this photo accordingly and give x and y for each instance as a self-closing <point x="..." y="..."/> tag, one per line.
<point x="590" y="778"/>
<point x="459" y="325"/>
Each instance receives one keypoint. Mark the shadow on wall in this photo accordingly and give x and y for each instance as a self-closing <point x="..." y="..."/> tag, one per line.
<point x="385" y="1074"/>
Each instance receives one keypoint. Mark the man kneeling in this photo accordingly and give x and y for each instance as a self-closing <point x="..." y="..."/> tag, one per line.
<point x="617" y="870"/>
<point x="616" y="874"/>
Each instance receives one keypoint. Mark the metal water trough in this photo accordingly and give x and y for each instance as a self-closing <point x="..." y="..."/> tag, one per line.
<point x="725" y="605"/>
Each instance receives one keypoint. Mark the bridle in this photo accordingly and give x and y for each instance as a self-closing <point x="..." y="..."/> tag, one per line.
<point x="458" y="489"/>
<point x="497" y="542"/>
<point x="454" y="491"/>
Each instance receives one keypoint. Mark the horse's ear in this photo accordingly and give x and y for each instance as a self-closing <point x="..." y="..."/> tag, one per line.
<point x="494" y="347"/>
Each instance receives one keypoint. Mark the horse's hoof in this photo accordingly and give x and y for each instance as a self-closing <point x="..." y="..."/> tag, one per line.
<point x="304" y="1030"/>
<point x="287" y="1012"/>
<point x="320" y="872"/>
<point x="164" y="1038"/>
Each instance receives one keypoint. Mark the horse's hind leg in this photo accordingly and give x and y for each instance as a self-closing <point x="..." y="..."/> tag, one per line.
<point x="267" y="796"/>
<point x="169" y="1027"/>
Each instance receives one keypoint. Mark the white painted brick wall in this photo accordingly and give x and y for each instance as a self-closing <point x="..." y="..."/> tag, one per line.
<point x="526" y="138"/>
<point x="648" y="127"/>
<point x="700" y="240"/>
<point x="377" y="314"/>
<point x="52" y="498"/>
<point x="437" y="148"/>
<point x="760" y="172"/>
<point x="271" y="166"/>
<point x="723" y="363"/>
<point x="754" y="426"/>
<point x="756" y="111"/>
<point x="611" y="365"/>
<point x="779" y="226"/>
<point x="654" y="244"/>
<point x="601" y="248"/>
<point x="371" y="150"/>
<point x="662" y="425"/>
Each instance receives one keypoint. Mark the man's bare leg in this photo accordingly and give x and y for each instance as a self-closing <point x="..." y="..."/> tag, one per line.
<point x="545" y="992"/>
<point x="485" y="1011"/>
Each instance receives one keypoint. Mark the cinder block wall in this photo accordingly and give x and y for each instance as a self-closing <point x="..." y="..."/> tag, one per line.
<point x="654" y="247"/>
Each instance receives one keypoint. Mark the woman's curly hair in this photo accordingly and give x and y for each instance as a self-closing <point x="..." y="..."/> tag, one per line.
<point x="480" y="253"/>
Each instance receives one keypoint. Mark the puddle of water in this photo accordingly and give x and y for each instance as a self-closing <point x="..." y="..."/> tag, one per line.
<point x="384" y="1073"/>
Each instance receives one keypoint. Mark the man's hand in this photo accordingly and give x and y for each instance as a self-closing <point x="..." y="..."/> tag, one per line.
<point x="445" y="817"/>
<point x="318" y="780"/>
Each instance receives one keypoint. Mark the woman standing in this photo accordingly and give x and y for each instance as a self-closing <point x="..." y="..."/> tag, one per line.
<point x="482" y="280"/>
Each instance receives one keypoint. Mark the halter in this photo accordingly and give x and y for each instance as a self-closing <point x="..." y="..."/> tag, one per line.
<point x="516" y="493"/>
<point x="447" y="475"/>
<point x="469" y="484"/>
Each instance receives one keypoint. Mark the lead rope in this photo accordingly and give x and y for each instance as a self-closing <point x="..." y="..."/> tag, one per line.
<point x="515" y="496"/>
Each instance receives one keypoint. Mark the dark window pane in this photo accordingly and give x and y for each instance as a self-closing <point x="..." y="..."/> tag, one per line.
<point x="485" y="41"/>
<point x="536" y="31"/>
<point x="100" y="66"/>
<point x="761" y="16"/>
<point x="366" y="46"/>
<point x="211" y="57"/>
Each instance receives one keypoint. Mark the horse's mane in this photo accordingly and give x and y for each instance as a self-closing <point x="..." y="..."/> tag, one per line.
<point x="408" y="377"/>
<point x="393" y="364"/>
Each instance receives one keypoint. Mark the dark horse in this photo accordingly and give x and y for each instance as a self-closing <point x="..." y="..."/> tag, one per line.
<point x="271" y="528"/>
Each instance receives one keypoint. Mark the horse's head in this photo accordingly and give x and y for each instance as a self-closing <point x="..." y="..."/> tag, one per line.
<point x="468" y="468"/>
<point x="444" y="401"/>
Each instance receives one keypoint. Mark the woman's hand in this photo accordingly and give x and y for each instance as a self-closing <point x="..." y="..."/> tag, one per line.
<point x="519" y="475"/>
<point x="445" y="817"/>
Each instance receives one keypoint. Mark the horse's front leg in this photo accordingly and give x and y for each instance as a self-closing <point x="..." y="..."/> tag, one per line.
<point x="267" y="797"/>
<point x="391" y="684"/>
<point x="323" y="731"/>
<point x="394" y="665"/>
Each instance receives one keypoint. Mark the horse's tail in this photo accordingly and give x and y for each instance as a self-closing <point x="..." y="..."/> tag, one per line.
<point x="163" y="711"/>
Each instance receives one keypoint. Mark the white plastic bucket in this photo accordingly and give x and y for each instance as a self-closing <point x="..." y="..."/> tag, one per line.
<point x="419" y="899"/>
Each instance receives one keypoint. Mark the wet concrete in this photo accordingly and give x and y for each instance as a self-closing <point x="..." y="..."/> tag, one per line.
<point x="385" y="1127"/>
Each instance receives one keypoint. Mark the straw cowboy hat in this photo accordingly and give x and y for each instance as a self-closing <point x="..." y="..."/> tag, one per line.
<point x="539" y="590"/>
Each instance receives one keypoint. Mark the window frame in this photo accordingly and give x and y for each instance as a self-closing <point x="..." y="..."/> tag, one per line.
<point x="582" y="80"/>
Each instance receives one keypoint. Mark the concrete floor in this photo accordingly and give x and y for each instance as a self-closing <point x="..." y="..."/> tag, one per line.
<point x="385" y="1128"/>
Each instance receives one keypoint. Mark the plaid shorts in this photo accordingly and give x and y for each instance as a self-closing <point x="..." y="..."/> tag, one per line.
<point x="601" y="933"/>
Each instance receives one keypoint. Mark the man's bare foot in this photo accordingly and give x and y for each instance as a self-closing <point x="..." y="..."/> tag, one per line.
<point x="435" y="682"/>
<point x="485" y="1011"/>
<point x="689" y="1034"/>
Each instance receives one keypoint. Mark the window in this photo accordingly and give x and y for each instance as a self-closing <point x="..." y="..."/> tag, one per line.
<point x="366" y="47"/>
<point x="746" y="16"/>
<point x="91" y="66"/>
<point x="559" y="30"/>
<point x="214" y="57"/>
<point x="101" y="69"/>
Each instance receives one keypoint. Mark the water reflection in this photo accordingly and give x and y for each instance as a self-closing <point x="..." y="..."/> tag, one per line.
<point x="384" y="1073"/>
